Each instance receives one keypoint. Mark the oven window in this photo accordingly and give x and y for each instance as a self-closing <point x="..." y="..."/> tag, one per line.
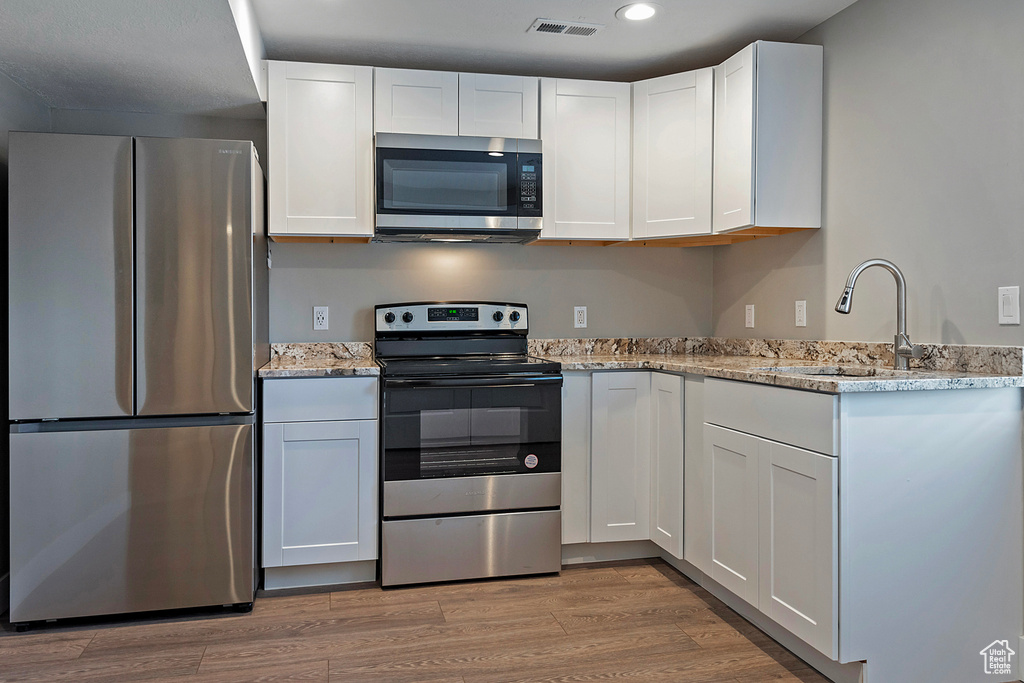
<point x="445" y="183"/>
<point x="458" y="432"/>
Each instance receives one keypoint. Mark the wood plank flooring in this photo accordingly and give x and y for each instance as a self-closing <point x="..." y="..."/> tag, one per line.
<point x="634" y="621"/>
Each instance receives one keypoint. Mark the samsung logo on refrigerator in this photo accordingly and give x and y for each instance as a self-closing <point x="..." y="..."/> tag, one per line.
<point x="231" y="151"/>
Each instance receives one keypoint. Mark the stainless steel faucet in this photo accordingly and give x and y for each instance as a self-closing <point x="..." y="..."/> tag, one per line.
<point x="903" y="349"/>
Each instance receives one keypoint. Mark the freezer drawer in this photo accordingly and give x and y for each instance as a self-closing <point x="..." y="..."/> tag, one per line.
<point x="130" y="520"/>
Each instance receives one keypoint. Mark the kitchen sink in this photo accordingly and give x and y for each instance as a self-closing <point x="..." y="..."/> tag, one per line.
<point x="837" y="371"/>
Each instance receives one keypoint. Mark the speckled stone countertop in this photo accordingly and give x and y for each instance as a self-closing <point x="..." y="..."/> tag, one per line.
<point x="830" y="367"/>
<point x="338" y="359"/>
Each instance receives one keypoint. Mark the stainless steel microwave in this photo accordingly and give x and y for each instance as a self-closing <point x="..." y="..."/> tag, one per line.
<point x="457" y="188"/>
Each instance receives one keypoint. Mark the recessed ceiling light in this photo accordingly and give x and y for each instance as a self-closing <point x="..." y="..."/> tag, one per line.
<point x="638" y="11"/>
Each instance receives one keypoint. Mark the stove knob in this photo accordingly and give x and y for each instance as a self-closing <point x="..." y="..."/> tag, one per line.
<point x="389" y="317"/>
<point x="407" y="317"/>
<point x="498" y="316"/>
<point x="514" y="316"/>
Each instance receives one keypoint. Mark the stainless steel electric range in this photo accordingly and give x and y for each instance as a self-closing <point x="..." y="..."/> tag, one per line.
<point x="471" y="432"/>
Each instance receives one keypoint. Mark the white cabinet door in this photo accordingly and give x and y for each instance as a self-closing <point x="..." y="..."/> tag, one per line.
<point x="732" y="459"/>
<point x="768" y="116"/>
<point x="734" y="141"/>
<point x="319" y="492"/>
<point x="620" y="484"/>
<point x="667" y="462"/>
<point x="672" y="154"/>
<point x="498" y="106"/>
<point x="320" y="139"/>
<point x="576" y="393"/>
<point x="585" y="126"/>
<point x="413" y="101"/>
<point x="696" y="478"/>
<point x="799" y="544"/>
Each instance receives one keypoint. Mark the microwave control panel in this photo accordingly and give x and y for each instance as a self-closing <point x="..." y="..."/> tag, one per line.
<point x="530" y="185"/>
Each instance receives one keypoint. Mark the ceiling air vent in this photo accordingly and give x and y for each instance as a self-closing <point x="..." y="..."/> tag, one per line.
<point x="565" y="28"/>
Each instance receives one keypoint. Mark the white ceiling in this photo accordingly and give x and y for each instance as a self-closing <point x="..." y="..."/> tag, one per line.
<point x="185" y="56"/>
<point x="490" y="35"/>
<point x="155" y="56"/>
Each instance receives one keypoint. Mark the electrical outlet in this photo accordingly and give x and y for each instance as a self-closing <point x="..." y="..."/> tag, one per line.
<point x="750" y="315"/>
<point x="801" y="314"/>
<point x="579" y="316"/>
<point x="319" y="317"/>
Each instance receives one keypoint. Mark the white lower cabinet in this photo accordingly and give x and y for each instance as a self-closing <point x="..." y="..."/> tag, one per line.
<point x="576" y="393"/>
<point x="319" y="477"/>
<point x="732" y="461"/>
<point x="798" y="548"/>
<point x="620" y="477"/>
<point x="667" y="462"/>
<point x="773" y="518"/>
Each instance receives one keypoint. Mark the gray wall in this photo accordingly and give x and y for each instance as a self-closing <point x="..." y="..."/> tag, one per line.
<point x="19" y="110"/>
<point x="924" y="165"/>
<point x="90" y="122"/>
<point x="627" y="291"/>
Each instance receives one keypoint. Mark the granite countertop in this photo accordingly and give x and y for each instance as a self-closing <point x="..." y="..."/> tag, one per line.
<point x="797" y="374"/>
<point x="863" y="366"/>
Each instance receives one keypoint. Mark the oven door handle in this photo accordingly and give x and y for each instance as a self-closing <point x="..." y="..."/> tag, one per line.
<point x="486" y="382"/>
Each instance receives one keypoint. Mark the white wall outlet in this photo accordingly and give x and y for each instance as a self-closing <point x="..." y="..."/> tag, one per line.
<point x="579" y="316"/>
<point x="750" y="315"/>
<point x="319" y="317"/>
<point x="1009" y="305"/>
<point x="801" y="314"/>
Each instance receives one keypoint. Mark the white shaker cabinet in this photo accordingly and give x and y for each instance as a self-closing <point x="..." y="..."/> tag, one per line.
<point x="773" y="506"/>
<point x="667" y="462"/>
<point x="320" y="149"/>
<point x="768" y="130"/>
<point x="576" y="393"/>
<point x="672" y="154"/>
<point x="499" y="106"/>
<point x="585" y="128"/>
<point x="732" y="466"/>
<point x="414" y="101"/>
<point x="319" y="472"/>
<point x="620" y="479"/>
<point x="798" y="558"/>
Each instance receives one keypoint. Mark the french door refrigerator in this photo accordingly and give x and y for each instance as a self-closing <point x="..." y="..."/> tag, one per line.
<point x="138" y="316"/>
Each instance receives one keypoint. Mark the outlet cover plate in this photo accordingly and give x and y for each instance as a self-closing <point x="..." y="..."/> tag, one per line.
<point x="749" y="318"/>
<point x="1009" y="305"/>
<point x="320" y="317"/>
<point x="579" y="316"/>
<point x="801" y="314"/>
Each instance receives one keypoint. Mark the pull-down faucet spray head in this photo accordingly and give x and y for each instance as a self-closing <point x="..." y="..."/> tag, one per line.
<point x="845" y="301"/>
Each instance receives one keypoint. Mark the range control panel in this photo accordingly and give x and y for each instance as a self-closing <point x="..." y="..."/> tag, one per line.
<point x="451" y="317"/>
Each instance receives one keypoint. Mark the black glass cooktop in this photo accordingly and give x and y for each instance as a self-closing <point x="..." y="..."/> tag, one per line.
<point x="462" y="365"/>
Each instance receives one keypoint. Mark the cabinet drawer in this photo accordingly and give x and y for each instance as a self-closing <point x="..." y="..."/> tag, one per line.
<point x="802" y="418"/>
<point x="320" y="398"/>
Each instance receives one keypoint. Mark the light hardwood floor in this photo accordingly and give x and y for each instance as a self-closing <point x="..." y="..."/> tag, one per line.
<point x="634" y="621"/>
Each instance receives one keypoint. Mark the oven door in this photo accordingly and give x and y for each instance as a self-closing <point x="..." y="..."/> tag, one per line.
<point x="461" y="444"/>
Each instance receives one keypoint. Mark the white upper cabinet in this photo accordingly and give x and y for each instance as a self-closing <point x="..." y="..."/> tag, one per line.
<point x="672" y="154"/>
<point x="767" y="151"/>
<point x="413" y="101"/>
<point x="320" y="139"/>
<point x="498" y="106"/>
<point x="585" y="126"/>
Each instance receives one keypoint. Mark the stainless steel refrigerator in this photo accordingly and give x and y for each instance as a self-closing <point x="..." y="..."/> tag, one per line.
<point x="138" y="316"/>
